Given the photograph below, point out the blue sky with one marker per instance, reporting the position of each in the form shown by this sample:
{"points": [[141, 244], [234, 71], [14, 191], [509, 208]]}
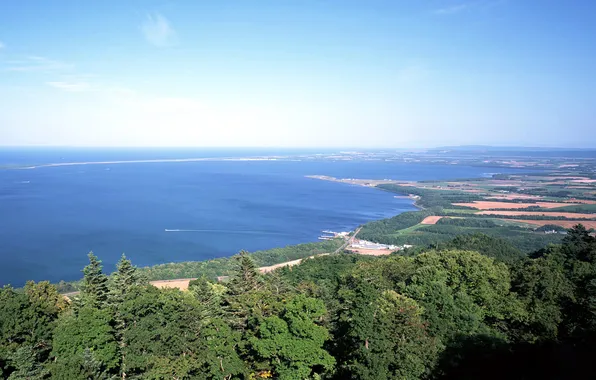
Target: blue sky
{"points": [[298, 73]]}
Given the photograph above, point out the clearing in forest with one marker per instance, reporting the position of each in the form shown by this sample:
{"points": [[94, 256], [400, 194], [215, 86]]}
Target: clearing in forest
{"points": [[431, 219]]}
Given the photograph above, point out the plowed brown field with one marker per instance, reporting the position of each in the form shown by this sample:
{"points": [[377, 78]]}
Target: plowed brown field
{"points": [[487, 205], [431, 219], [562, 223], [570, 215]]}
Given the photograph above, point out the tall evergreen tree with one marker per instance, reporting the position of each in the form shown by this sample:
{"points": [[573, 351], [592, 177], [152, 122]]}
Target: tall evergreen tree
{"points": [[125, 277], [123, 280], [27, 365], [247, 277], [94, 291], [246, 294]]}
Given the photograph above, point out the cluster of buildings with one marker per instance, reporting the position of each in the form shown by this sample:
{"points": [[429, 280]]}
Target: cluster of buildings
{"points": [[365, 244]]}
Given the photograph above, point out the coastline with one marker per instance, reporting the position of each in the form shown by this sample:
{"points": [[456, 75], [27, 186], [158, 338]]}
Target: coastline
{"points": [[468, 186]]}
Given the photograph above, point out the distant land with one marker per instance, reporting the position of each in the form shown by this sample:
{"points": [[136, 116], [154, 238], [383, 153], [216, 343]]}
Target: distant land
{"points": [[118, 200]]}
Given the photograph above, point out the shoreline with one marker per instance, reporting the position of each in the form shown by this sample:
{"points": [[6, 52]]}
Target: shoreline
{"points": [[165, 160]]}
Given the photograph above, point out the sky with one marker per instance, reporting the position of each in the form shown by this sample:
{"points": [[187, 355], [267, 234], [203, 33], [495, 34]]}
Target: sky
{"points": [[298, 73]]}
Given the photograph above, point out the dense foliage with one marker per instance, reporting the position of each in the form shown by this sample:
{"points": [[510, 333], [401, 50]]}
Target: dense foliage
{"points": [[224, 265], [474, 307], [405, 229]]}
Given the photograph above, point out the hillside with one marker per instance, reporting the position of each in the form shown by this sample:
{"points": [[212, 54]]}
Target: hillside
{"points": [[476, 307]]}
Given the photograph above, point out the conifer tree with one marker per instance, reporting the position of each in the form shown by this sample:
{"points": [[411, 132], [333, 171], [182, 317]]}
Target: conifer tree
{"points": [[94, 291], [26, 365], [247, 277], [244, 296], [125, 277], [123, 280]]}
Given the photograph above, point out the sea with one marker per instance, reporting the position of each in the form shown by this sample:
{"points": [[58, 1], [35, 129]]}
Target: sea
{"points": [[157, 212]]}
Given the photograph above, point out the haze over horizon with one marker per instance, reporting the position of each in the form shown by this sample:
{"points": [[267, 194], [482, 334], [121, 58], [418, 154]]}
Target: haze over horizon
{"points": [[367, 74]]}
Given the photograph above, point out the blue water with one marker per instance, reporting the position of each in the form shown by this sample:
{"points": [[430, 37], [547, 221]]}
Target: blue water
{"points": [[50, 217]]}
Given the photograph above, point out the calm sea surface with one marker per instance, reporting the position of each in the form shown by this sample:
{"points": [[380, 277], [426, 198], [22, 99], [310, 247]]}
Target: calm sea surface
{"points": [[50, 217]]}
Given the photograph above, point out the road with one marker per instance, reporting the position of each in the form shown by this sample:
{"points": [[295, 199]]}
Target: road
{"points": [[182, 283]]}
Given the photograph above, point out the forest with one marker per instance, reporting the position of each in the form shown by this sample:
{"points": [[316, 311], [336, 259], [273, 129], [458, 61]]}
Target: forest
{"points": [[396, 230], [470, 308]]}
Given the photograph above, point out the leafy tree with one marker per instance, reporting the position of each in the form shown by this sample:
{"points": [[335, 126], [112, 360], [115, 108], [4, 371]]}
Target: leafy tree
{"points": [[221, 359], [497, 248], [90, 329], [381, 334], [162, 333], [27, 319], [579, 244], [463, 292], [291, 344], [544, 288]]}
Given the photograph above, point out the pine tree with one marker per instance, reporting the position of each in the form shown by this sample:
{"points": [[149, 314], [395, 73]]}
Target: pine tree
{"points": [[210, 300], [94, 291], [243, 296], [26, 365], [125, 277], [247, 277], [91, 367], [123, 280]]}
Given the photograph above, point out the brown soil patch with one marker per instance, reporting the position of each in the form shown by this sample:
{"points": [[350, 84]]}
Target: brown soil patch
{"points": [[570, 215], [487, 205], [371, 252], [276, 266], [180, 283], [563, 223], [287, 264], [431, 219]]}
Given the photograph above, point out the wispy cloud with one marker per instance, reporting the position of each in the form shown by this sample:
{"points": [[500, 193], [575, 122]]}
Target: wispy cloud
{"points": [[158, 31], [36, 63], [71, 86], [87, 86], [1, 45], [479, 5], [457, 8]]}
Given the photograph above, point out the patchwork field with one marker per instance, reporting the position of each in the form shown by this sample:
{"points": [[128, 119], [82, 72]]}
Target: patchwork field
{"points": [[570, 215], [489, 205], [431, 220], [563, 223]]}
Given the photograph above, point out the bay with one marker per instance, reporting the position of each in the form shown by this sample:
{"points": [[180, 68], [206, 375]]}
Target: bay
{"points": [[158, 212]]}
